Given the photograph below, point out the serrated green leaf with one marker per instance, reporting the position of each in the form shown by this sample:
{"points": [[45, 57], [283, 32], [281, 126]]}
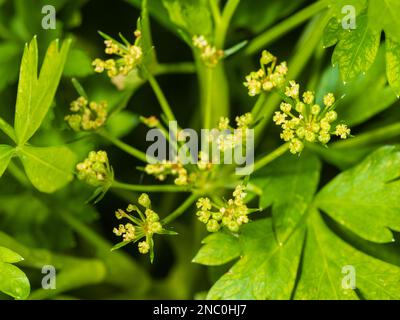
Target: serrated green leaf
{"points": [[288, 184], [356, 50], [364, 97], [365, 199], [35, 95], [218, 248], [337, 6], [265, 270], [385, 14], [323, 273], [48, 168], [9, 256], [393, 64], [331, 33], [6, 153]]}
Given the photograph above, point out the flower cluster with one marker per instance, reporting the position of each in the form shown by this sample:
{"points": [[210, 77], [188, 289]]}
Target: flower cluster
{"points": [[232, 215], [151, 122], [145, 225], [209, 54], [164, 168], [312, 124], [268, 77], [129, 57], [87, 116], [228, 137], [95, 169]]}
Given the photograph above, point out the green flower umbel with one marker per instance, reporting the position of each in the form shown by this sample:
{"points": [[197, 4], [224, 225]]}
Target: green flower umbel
{"points": [[95, 169], [305, 121], [269, 77], [87, 116], [231, 215], [141, 227]]}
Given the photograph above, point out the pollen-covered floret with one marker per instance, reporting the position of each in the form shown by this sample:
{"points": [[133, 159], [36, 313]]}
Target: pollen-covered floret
{"points": [[228, 138], [231, 215], [142, 226], [209, 54], [87, 116], [312, 123], [164, 168], [128, 57], [95, 169], [268, 77], [151, 122]]}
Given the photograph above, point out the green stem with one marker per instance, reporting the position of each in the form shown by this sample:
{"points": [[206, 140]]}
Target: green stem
{"points": [[208, 99], [215, 10], [7, 129], [123, 146], [271, 157], [284, 27], [180, 67], [161, 98], [371, 137], [148, 188], [181, 209], [223, 23], [258, 106]]}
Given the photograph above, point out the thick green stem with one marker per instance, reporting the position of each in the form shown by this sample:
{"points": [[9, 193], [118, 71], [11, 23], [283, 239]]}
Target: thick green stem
{"points": [[223, 24], [171, 68], [181, 209], [255, 112], [271, 157], [208, 100], [161, 98], [148, 188], [371, 137], [123, 146], [284, 27], [215, 10]]}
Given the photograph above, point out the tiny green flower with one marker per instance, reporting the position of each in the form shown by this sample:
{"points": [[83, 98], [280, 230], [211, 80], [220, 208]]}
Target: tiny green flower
{"points": [[144, 200], [209, 54], [312, 124], [87, 116], [231, 216], [128, 57], [268, 77], [145, 225], [95, 169]]}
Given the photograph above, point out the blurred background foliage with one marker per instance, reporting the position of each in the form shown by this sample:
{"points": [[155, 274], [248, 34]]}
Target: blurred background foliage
{"points": [[50, 229]]}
